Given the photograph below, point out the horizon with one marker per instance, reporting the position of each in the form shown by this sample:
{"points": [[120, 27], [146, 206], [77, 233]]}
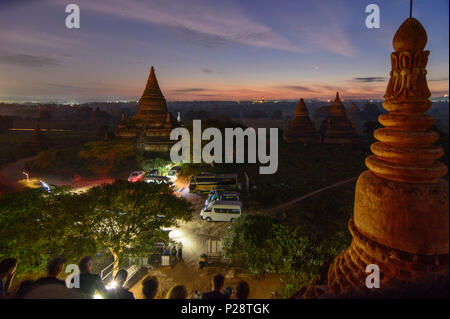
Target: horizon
{"points": [[279, 52]]}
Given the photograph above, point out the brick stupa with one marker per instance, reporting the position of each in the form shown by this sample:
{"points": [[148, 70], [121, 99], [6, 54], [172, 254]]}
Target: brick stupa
{"points": [[300, 128], [152, 124], [400, 221], [337, 128], [354, 113]]}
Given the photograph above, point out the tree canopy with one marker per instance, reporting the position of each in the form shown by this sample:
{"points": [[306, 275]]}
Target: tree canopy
{"points": [[122, 218]]}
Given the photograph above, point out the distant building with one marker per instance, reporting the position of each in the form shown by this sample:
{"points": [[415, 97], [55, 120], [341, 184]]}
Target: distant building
{"points": [[300, 128], [337, 128], [150, 127]]}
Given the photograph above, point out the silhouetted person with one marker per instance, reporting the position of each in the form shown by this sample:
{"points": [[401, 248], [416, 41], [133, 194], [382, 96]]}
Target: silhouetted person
{"points": [[118, 292], [180, 253], [150, 287], [177, 292], [7, 272], [54, 269], [242, 290], [217, 292], [24, 287], [173, 251], [90, 283]]}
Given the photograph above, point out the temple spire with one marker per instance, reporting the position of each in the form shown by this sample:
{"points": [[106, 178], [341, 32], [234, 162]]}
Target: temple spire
{"points": [[301, 108], [152, 86]]}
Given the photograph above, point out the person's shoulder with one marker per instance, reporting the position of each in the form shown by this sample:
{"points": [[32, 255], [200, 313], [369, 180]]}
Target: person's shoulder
{"points": [[49, 280]]}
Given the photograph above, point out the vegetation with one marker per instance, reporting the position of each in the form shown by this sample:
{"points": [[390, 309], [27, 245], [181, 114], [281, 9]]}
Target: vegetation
{"points": [[121, 218], [98, 158], [293, 243]]}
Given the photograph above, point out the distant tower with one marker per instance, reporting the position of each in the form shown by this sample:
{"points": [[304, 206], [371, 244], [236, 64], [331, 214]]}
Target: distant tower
{"points": [[337, 128], [152, 124], [401, 220], [300, 128]]}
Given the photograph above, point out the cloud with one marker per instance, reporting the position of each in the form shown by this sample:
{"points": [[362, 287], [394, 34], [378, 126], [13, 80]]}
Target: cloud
{"points": [[297, 88], [437, 79], [27, 60], [370, 79], [188, 90], [220, 23], [210, 71]]}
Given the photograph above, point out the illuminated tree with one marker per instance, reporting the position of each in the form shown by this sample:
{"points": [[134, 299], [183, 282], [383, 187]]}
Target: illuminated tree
{"points": [[128, 218]]}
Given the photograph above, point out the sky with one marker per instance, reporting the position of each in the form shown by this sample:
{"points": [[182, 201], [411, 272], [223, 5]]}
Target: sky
{"points": [[209, 49]]}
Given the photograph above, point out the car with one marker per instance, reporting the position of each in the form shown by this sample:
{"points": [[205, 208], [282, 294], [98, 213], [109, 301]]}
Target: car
{"points": [[174, 172], [153, 172], [136, 176], [222, 195], [158, 180], [222, 211]]}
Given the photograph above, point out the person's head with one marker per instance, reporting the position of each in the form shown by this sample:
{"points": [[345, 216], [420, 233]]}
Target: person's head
{"points": [[177, 292], [55, 267], [8, 266], [121, 277], [242, 290], [150, 287], [218, 282], [86, 264]]}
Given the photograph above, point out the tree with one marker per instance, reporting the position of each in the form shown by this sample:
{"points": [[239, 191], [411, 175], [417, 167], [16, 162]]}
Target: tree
{"points": [[127, 219], [122, 218], [106, 156], [265, 245], [35, 229]]}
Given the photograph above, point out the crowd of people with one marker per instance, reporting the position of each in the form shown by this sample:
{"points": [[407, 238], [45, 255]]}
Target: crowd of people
{"points": [[91, 285]]}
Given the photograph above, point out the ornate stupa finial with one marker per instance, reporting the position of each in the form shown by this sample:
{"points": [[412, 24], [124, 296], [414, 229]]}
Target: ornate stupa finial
{"points": [[406, 152], [401, 220]]}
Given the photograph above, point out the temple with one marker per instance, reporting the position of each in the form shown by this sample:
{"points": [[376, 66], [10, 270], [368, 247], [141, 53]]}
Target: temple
{"points": [[400, 221], [337, 128], [354, 113], [300, 128], [152, 124]]}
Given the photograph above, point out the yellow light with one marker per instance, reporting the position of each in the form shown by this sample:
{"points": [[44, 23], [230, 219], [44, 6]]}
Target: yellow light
{"points": [[98, 296]]}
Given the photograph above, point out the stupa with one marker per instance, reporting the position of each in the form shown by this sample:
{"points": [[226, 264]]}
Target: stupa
{"points": [[400, 221], [337, 128], [152, 124], [300, 128], [354, 113]]}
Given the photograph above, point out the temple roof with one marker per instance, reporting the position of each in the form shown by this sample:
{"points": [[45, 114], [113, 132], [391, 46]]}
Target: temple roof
{"points": [[337, 108], [354, 108], [301, 108]]}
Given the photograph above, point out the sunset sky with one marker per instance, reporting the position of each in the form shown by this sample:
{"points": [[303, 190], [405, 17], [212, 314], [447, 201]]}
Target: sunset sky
{"points": [[209, 50]]}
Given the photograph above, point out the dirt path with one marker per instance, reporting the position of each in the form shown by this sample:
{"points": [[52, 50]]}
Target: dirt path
{"points": [[299, 199]]}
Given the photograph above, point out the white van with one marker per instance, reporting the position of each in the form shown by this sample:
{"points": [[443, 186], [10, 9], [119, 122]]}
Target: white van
{"points": [[221, 211]]}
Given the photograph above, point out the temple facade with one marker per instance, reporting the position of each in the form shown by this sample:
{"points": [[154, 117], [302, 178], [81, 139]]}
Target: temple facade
{"points": [[337, 128], [300, 128], [401, 213], [150, 127]]}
